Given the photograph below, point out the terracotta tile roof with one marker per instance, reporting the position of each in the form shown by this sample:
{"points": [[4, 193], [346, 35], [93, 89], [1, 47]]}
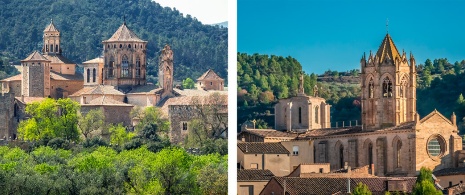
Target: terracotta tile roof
{"points": [[188, 100], [145, 89], [254, 175], [102, 100], [18, 77], [387, 49], [65, 77], [450, 171], [261, 147], [196, 92], [51, 27], [270, 133], [352, 130], [28, 100], [124, 34], [35, 56], [210, 74], [297, 185], [99, 89], [94, 61], [58, 59]]}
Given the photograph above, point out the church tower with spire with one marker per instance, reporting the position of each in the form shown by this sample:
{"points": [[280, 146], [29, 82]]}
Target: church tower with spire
{"points": [[388, 81], [51, 40]]}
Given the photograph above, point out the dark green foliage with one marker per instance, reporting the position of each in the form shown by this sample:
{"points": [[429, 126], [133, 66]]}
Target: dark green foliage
{"points": [[361, 189], [425, 184], [85, 24], [58, 142], [211, 146], [94, 142]]}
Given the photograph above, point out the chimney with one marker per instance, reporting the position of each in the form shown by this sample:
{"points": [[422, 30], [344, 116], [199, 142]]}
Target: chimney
{"points": [[453, 119]]}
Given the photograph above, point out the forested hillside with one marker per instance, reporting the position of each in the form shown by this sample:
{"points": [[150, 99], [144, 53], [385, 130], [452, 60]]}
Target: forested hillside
{"points": [[263, 80], [84, 24]]}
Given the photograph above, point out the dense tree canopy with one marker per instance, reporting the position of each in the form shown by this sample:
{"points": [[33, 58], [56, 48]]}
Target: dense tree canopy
{"points": [[85, 24]]}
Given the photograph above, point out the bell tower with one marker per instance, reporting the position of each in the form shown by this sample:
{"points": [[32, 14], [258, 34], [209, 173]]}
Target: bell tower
{"points": [[388, 87], [165, 69], [51, 40]]}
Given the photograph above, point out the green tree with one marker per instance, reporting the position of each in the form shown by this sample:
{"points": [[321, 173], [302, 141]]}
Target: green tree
{"points": [[92, 121], [361, 189], [457, 68], [188, 83], [50, 119], [119, 135], [460, 100], [424, 184]]}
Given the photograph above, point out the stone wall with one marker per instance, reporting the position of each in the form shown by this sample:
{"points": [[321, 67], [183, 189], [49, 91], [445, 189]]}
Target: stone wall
{"points": [[113, 114], [178, 114], [7, 123], [71, 86], [36, 78]]}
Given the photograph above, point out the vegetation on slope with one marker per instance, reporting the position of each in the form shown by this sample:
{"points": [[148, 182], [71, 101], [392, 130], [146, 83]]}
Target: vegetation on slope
{"points": [[85, 24]]}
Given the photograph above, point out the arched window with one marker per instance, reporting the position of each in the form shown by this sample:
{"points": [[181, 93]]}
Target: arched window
{"points": [[137, 67], [129, 45], [46, 48], [399, 146], [387, 87], [341, 156], [51, 48], [120, 45], [316, 114], [370, 154], [300, 114], [88, 75], [56, 48], [94, 75], [370, 88], [111, 66], [124, 66]]}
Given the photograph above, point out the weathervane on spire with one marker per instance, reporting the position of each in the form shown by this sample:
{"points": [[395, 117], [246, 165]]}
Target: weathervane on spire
{"points": [[387, 25]]}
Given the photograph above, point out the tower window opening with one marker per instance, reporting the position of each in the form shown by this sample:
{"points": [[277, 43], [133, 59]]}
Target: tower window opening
{"points": [[316, 114], [51, 48], [56, 48], [88, 75], [370, 89], [94, 75], [125, 67], [137, 67], [300, 114], [387, 88]]}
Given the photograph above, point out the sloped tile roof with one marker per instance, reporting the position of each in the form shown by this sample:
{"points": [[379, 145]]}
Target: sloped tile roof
{"points": [[66, 77], [99, 89], [35, 56], [51, 27], [297, 185], [261, 147], [387, 49], [58, 59], [145, 89], [254, 175], [450, 171], [124, 34], [18, 77], [94, 61], [188, 100], [28, 100], [102, 100], [210, 74], [196, 92], [270, 133]]}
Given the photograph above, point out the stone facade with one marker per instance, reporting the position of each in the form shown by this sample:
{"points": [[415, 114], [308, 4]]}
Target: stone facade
{"points": [[36, 76], [7, 113], [210, 81], [124, 59], [165, 71], [388, 87]]}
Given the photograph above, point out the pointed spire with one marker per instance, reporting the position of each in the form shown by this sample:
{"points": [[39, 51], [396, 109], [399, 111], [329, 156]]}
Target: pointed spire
{"points": [[387, 49], [51, 27]]}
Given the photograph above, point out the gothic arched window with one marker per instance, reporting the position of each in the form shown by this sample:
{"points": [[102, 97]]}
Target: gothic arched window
{"points": [[316, 114], [124, 66], [371, 88], [111, 66], [399, 146], [387, 87], [88, 75], [300, 114], [137, 67], [341, 156], [46, 48], [51, 48], [94, 75], [56, 48]]}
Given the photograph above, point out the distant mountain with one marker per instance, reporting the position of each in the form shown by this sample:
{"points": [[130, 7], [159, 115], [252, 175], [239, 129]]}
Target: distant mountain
{"points": [[84, 24], [222, 24]]}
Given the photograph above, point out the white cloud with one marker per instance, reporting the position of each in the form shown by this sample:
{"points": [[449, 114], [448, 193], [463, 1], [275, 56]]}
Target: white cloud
{"points": [[206, 11]]}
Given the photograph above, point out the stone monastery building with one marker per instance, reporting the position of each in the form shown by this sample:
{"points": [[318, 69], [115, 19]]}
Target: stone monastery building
{"points": [[114, 83], [392, 141]]}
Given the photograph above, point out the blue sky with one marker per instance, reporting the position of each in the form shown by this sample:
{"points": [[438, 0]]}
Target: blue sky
{"points": [[324, 35]]}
